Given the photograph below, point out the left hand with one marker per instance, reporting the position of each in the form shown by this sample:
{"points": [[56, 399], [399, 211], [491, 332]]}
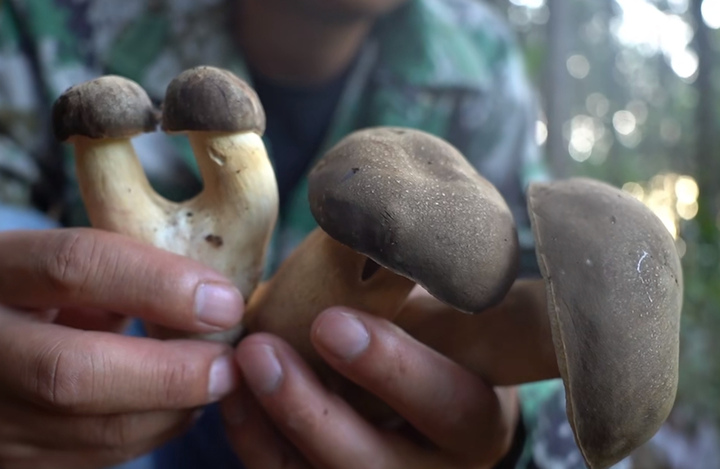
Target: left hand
{"points": [[284, 417]]}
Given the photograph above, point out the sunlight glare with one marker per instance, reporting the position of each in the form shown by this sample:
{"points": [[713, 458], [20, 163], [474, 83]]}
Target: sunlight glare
{"points": [[534, 4], [578, 66], [541, 133], [624, 122], [711, 13], [650, 30]]}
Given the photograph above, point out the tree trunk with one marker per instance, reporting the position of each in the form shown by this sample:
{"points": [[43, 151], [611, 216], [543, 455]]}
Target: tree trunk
{"points": [[706, 157], [557, 83]]}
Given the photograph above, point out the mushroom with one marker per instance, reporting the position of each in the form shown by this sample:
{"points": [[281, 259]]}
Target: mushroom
{"points": [[395, 207], [615, 292], [607, 323], [228, 225]]}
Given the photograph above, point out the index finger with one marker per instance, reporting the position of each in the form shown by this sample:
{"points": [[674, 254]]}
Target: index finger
{"points": [[84, 268], [83, 372], [452, 407]]}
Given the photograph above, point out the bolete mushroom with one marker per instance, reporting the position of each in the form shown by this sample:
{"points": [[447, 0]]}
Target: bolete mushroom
{"points": [[395, 207], [607, 321], [228, 225]]}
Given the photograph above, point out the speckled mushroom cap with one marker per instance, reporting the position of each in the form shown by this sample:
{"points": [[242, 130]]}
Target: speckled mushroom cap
{"points": [[106, 107], [413, 204], [211, 99], [615, 290]]}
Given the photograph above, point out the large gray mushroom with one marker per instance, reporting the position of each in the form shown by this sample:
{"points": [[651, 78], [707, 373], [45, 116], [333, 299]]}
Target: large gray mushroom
{"points": [[228, 225], [605, 318], [615, 293], [396, 207]]}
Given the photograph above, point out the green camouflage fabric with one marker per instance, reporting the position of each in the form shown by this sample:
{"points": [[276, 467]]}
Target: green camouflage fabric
{"points": [[449, 67]]}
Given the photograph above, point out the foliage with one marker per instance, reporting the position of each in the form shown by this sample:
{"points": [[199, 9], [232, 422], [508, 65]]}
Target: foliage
{"points": [[638, 105]]}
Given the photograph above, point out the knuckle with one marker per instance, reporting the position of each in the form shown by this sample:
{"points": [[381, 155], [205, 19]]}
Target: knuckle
{"points": [[58, 378], [302, 420], [66, 268], [117, 432], [498, 438], [175, 381]]}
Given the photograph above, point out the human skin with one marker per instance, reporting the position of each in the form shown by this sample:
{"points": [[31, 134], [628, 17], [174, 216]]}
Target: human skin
{"points": [[73, 392], [282, 417], [304, 42], [76, 394], [91, 398], [296, 423]]}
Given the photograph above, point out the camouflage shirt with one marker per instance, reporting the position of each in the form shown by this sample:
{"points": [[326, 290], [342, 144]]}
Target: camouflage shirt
{"points": [[449, 67]]}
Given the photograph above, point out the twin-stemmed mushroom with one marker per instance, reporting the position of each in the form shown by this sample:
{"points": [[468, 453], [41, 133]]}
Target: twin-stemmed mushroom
{"points": [[229, 224]]}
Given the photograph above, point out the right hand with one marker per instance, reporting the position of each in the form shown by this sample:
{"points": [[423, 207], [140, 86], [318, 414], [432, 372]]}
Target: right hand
{"points": [[73, 392]]}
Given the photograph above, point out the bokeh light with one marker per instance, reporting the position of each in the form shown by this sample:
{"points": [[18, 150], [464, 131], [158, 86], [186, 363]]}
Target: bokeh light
{"points": [[671, 197], [711, 13]]}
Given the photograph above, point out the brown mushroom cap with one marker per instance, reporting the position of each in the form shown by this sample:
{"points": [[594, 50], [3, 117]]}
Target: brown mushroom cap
{"points": [[106, 107], [211, 99], [413, 204], [615, 288]]}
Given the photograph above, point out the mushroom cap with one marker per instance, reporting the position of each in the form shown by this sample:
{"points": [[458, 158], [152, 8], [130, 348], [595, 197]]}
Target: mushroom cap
{"points": [[106, 107], [211, 99], [413, 204], [615, 289]]}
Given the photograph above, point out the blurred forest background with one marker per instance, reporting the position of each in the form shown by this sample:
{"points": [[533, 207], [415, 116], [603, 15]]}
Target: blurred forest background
{"points": [[630, 95]]}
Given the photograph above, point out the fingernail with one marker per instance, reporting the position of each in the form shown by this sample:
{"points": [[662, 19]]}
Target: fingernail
{"points": [[223, 378], [218, 305], [261, 369], [342, 334]]}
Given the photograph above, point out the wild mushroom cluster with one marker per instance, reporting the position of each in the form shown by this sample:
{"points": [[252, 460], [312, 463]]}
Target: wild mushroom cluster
{"points": [[398, 208]]}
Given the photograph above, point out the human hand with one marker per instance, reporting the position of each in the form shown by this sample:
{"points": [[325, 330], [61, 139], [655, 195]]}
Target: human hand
{"points": [[78, 399], [284, 417]]}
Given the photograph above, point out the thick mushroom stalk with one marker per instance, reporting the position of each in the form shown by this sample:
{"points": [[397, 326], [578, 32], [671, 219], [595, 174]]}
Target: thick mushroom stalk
{"points": [[322, 273], [396, 207], [605, 318], [228, 225]]}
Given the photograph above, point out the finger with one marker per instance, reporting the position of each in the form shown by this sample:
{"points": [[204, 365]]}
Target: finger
{"points": [[31, 457], [83, 268], [37, 427], [256, 442], [97, 372], [92, 320], [454, 408], [325, 429], [508, 344]]}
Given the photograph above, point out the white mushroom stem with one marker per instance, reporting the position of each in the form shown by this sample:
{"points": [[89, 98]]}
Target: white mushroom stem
{"points": [[116, 192], [227, 226]]}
